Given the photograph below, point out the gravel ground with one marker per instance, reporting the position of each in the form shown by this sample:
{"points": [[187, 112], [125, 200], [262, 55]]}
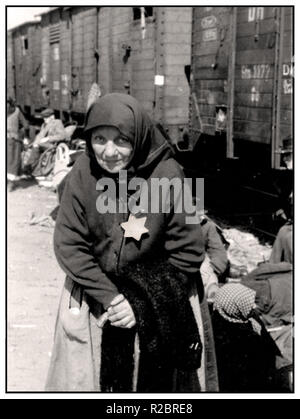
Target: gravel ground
{"points": [[34, 282]]}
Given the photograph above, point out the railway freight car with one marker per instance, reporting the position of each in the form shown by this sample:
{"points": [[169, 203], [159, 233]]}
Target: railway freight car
{"points": [[241, 79], [242, 82], [23, 66], [138, 50]]}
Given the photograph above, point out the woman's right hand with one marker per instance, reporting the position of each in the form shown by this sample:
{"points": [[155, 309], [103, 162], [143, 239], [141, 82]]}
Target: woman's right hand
{"points": [[120, 313]]}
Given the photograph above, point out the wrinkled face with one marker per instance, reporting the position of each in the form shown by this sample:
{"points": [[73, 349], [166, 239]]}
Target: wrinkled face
{"points": [[112, 150]]}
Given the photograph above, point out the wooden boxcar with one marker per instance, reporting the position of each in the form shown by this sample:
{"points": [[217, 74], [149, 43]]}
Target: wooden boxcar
{"points": [[242, 80], [141, 51], [241, 85]]}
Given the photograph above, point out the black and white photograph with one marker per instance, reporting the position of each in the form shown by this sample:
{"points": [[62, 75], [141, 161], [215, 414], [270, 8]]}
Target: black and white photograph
{"points": [[150, 202]]}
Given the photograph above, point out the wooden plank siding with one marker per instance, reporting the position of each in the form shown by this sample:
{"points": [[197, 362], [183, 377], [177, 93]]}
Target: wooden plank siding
{"points": [[22, 47], [254, 75], [54, 62], [35, 51], [120, 38], [19, 69], [287, 89], [113, 35], [65, 61], [176, 55], [211, 45], [248, 28], [10, 66], [83, 55], [254, 84], [174, 37]]}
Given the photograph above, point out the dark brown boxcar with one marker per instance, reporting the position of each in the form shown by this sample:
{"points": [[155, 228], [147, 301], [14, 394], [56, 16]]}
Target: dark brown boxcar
{"points": [[243, 78]]}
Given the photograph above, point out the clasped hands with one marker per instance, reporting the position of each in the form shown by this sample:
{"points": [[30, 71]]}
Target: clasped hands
{"points": [[120, 313]]}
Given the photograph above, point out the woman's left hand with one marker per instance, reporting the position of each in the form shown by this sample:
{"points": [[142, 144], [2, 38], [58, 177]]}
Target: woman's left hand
{"points": [[120, 313]]}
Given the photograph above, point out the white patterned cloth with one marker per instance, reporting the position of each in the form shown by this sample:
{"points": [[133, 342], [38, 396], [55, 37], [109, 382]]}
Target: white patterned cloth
{"points": [[235, 302]]}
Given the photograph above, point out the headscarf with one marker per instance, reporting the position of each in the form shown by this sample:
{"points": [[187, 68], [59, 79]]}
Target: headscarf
{"points": [[125, 113], [235, 303]]}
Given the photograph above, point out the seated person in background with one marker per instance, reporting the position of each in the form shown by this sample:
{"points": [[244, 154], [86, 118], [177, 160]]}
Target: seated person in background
{"points": [[216, 261], [245, 351], [282, 250], [283, 246], [52, 131]]}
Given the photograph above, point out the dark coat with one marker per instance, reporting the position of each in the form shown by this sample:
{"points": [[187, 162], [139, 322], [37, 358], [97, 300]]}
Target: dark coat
{"points": [[155, 273], [246, 360], [90, 246], [92, 250]]}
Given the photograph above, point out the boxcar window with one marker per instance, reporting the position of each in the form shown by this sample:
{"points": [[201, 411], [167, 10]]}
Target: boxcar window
{"points": [[24, 45], [137, 12]]}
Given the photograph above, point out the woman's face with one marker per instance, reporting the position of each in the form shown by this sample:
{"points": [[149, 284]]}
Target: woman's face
{"points": [[111, 148]]}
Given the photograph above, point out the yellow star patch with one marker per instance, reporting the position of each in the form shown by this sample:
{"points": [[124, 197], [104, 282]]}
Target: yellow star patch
{"points": [[135, 227]]}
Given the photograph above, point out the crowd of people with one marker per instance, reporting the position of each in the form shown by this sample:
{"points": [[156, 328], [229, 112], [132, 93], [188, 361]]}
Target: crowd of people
{"points": [[149, 304]]}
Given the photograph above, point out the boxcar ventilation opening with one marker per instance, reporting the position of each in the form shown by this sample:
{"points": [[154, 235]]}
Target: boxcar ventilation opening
{"points": [[24, 45], [137, 12]]}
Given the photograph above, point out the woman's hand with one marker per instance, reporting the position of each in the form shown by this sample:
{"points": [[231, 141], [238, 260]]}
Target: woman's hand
{"points": [[120, 313]]}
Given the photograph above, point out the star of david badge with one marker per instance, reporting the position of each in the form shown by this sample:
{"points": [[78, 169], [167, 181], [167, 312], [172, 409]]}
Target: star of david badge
{"points": [[135, 227]]}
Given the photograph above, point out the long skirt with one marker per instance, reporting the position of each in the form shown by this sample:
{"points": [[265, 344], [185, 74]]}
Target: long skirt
{"points": [[76, 357], [14, 149]]}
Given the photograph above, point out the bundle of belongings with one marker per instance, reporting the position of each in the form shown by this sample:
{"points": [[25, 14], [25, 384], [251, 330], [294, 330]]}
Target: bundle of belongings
{"points": [[246, 353], [273, 283], [252, 313]]}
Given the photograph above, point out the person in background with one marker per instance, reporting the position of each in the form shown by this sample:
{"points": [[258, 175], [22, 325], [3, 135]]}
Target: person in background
{"points": [[52, 131], [15, 120], [283, 247], [246, 353], [282, 250], [273, 284], [287, 152], [43, 148], [284, 182], [216, 261]]}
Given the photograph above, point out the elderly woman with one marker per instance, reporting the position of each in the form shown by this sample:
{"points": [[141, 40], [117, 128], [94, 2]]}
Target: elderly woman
{"points": [[134, 274]]}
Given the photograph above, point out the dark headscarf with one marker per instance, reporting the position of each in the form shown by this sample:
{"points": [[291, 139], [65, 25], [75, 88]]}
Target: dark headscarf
{"points": [[125, 113]]}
